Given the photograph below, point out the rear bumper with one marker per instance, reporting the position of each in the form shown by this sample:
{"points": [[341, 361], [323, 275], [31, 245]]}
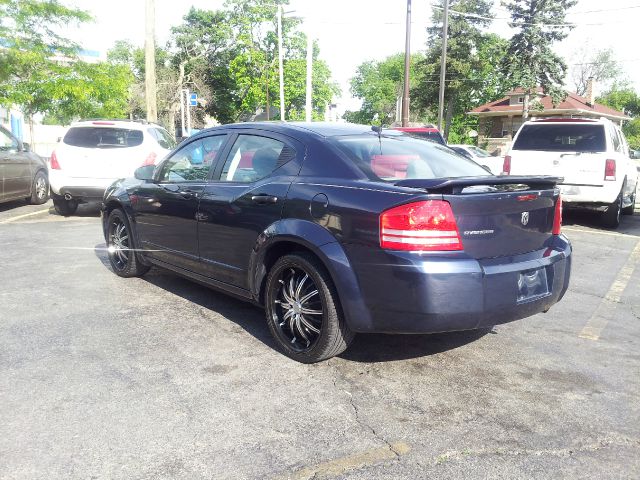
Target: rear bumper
{"points": [[83, 187], [590, 195], [409, 293], [82, 193]]}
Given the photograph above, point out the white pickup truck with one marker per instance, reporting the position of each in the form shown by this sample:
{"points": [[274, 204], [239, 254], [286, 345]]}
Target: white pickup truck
{"points": [[591, 155]]}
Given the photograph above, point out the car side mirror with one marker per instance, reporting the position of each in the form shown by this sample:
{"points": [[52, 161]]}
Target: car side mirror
{"points": [[145, 172], [26, 147]]}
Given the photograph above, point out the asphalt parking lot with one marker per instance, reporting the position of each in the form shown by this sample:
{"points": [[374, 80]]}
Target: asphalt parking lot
{"points": [[110, 378]]}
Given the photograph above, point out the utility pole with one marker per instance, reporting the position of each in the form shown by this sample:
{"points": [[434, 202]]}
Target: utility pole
{"points": [[443, 63], [280, 68], [150, 62], [182, 114], [407, 64], [308, 106]]}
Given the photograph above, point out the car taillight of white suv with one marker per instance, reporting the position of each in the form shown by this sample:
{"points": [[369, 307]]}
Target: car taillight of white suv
{"points": [[95, 153], [591, 155]]}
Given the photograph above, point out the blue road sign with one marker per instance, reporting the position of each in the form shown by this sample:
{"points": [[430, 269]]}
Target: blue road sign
{"points": [[193, 100]]}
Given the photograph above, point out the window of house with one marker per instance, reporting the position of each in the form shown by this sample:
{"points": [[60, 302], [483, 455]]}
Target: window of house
{"points": [[520, 99]]}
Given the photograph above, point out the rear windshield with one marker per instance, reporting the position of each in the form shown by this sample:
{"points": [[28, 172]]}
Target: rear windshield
{"points": [[561, 138], [103, 137], [399, 157], [431, 136]]}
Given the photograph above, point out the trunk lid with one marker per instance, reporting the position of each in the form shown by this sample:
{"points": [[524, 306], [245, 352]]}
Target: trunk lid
{"points": [[498, 216]]}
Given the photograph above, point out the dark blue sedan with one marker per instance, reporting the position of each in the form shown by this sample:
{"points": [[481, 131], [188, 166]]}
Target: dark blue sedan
{"points": [[337, 229]]}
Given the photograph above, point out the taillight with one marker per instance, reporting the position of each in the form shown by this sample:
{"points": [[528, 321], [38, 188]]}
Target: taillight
{"points": [[428, 225], [557, 217], [506, 165], [610, 170], [151, 159], [53, 162]]}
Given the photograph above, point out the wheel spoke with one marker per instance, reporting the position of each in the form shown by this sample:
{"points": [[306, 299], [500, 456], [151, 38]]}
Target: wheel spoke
{"points": [[301, 330], [308, 296], [307, 324], [286, 296], [308, 311], [300, 285]]}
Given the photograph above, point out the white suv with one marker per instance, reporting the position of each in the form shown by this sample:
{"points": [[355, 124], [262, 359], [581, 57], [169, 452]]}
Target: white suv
{"points": [[591, 155], [95, 153]]}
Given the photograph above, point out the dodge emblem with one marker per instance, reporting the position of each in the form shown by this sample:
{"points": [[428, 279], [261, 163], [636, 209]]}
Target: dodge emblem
{"points": [[525, 218]]}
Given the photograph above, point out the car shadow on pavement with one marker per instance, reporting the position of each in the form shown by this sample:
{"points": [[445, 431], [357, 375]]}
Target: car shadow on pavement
{"points": [[12, 204], [90, 209], [629, 224], [373, 347], [367, 348]]}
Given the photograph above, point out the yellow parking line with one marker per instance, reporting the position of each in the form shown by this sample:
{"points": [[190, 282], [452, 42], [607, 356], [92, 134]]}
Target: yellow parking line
{"points": [[339, 466], [599, 232], [597, 322], [13, 219]]}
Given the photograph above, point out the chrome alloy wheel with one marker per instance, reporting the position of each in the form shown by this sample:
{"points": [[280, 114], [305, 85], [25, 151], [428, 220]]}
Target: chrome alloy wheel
{"points": [[298, 309], [118, 247], [41, 188]]}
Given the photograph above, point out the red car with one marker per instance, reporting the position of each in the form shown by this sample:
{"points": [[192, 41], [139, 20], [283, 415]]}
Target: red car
{"points": [[428, 132]]}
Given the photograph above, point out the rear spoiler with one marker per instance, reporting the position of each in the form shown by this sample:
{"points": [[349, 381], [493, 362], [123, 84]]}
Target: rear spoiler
{"points": [[442, 185]]}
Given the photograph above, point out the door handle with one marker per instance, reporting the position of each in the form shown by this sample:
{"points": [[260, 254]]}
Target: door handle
{"points": [[264, 199], [187, 193]]}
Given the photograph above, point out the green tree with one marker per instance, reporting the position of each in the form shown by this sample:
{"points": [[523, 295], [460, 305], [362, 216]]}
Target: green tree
{"points": [[599, 65], [530, 61], [231, 54], [30, 45], [624, 98], [472, 57], [379, 84]]}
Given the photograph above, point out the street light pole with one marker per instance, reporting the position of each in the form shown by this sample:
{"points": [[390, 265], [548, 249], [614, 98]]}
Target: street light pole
{"points": [[407, 63], [280, 68], [443, 63]]}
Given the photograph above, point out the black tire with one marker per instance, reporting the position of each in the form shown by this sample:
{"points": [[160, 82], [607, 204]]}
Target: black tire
{"points": [[122, 258], [39, 189], [611, 217], [631, 208], [65, 207], [333, 335]]}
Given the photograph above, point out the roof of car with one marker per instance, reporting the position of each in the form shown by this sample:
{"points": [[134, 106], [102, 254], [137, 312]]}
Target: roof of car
{"points": [[323, 129], [131, 124]]}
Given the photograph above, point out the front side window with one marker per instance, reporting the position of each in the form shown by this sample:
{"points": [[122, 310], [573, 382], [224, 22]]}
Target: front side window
{"points": [[103, 137], [253, 157], [561, 138], [7, 142], [402, 157], [193, 162]]}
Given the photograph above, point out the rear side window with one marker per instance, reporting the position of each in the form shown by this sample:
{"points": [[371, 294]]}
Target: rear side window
{"points": [[397, 158], [561, 138], [253, 157], [103, 137], [163, 138]]}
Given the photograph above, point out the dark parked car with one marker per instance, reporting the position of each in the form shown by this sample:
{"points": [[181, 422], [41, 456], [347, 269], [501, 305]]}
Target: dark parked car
{"points": [[337, 229], [23, 174]]}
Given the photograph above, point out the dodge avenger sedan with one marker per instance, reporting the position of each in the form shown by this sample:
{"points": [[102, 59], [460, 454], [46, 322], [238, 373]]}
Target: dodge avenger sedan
{"points": [[337, 229]]}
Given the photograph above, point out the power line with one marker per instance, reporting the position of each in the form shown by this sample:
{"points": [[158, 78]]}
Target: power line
{"points": [[538, 24]]}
